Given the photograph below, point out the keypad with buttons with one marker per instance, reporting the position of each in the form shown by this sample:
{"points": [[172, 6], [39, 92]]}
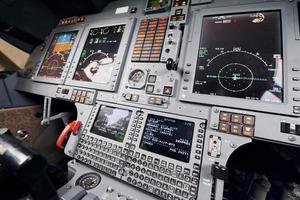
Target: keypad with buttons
{"points": [[237, 124]]}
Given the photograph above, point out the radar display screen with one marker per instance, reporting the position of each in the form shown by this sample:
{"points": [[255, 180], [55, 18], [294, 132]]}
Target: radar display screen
{"points": [[98, 54], [57, 55], [240, 56], [112, 123], [168, 137]]}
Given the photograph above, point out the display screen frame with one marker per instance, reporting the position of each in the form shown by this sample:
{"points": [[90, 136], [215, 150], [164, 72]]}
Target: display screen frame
{"points": [[243, 52], [186, 160], [109, 136], [196, 121], [93, 117], [61, 29], [186, 89], [118, 63]]}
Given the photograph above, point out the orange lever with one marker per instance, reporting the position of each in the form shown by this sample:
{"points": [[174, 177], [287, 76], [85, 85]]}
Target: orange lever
{"points": [[70, 128]]}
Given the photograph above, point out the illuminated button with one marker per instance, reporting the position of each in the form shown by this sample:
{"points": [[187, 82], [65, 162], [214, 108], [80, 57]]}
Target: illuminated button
{"points": [[167, 90], [149, 88], [236, 118], [135, 98], [128, 96], [248, 131], [248, 120], [152, 79], [77, 99], [223, 127], [84, 93], [224, 116], [236, 129], [158, 101], [79, 92], [73, 98], [82, 99]]}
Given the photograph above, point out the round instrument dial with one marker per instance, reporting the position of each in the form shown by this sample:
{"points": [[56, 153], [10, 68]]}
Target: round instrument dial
{"points": [[137, 78], [89, 181]]}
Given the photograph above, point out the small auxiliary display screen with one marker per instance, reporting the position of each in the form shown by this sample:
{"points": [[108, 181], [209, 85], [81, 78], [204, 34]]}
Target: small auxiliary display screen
{"points": [[57, 55], [112, 123], [154, 5], [98, 54], [240, 55], [168, 137]]}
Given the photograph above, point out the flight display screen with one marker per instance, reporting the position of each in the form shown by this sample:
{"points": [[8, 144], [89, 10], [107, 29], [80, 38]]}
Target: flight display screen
{"points": [[57, 55], [240, 55], [98, 54], [112, 123], [169, 137]]}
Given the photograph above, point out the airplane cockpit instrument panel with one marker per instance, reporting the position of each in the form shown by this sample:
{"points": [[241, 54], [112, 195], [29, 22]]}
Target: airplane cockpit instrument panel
{"points": [[167, 90]]}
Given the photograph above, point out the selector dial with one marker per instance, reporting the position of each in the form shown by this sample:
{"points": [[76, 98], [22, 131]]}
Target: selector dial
{"points": [[89, 181]]}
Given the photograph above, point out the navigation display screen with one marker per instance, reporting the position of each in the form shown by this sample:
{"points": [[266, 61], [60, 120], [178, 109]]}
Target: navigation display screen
{"points": [[112, 123], [240, 56], [57, 55], [168, 137], [98, 54]]}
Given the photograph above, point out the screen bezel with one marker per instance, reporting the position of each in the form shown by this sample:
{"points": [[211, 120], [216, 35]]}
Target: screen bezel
{"points": [[140, 132], [119, 61], [62, 29], [161, 116], [93, 116], [186, 90]]}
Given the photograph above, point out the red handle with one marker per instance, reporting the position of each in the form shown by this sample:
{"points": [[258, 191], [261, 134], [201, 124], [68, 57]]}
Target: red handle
{"points": [[70, 128]]}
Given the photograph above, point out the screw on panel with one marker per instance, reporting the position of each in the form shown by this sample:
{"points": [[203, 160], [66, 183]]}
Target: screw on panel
{"points": [[215, 125], [216, 110]]}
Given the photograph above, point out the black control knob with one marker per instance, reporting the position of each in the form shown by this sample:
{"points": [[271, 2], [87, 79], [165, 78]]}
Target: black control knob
{"points": [[171, 65], [219, 172], [171, 26]]}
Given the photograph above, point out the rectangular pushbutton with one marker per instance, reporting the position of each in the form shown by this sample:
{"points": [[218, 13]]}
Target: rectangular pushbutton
{"points": [[225, 116], [236, 118], [248, 131], [236, 129], [223, 127], [248, 120]]}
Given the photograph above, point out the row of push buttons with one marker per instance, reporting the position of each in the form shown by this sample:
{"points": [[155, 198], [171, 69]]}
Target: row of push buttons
{"points": [[237, 124]]}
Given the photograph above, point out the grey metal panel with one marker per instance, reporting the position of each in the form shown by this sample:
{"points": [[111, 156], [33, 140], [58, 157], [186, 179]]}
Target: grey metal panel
{"points": [[290, 59]]}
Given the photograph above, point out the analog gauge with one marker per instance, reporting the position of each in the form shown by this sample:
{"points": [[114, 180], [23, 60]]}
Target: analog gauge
{"points": [[137, 78], [89, 181]]}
